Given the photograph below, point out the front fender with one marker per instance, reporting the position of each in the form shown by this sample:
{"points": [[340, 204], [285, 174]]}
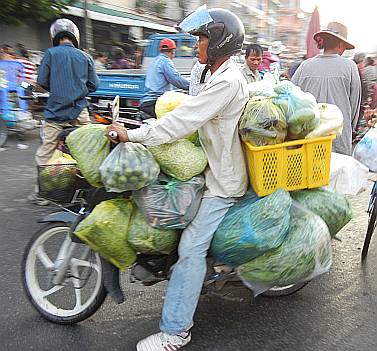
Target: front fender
{"points": [[62, 216]]}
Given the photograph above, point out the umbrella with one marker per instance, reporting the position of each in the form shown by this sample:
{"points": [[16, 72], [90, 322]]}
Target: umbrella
{"points": [[313, 28]]}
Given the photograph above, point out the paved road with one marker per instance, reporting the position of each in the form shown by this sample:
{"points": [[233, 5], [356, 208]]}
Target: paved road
{"points": [[336, 312]]}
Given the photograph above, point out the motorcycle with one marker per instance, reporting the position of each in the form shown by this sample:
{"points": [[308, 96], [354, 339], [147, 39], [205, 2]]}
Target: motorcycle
{"points": [[15, 119], [67, 282]]}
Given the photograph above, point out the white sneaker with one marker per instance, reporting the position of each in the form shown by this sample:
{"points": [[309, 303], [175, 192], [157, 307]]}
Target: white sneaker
{"points": [[164, 342]]}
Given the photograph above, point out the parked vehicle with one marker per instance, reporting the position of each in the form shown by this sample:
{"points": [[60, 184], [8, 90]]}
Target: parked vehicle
{"points": [[129, 84]]}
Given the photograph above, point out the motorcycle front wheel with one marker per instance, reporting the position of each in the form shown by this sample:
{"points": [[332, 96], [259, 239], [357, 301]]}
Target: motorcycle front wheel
{"points": [[80, 294]]}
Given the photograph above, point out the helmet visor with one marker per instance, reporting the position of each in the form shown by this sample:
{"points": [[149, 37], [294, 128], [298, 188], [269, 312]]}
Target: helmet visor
{"points": [[195, 20]]}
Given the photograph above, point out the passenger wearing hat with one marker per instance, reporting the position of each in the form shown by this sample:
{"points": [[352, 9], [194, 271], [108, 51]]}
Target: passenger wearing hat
{"points": [[161, 73], [333, 79]]}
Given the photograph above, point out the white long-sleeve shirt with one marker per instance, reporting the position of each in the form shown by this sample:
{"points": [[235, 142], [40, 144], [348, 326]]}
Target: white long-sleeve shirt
{"points": [[215, 113]]}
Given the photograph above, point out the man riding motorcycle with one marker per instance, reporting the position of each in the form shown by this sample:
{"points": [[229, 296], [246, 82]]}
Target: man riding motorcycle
{"points": [[215, 113], [68, 74]]}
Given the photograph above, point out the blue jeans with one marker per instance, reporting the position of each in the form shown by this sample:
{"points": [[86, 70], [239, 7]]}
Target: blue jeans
{"points": [[187, 279]]}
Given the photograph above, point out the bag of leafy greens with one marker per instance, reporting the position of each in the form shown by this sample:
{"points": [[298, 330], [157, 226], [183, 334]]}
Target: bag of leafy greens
{"points": [[148, 240], [300, 109], [89, 146], [304, 254], [251, 228], [262, 123], [167, 102], [168, 203], [334, 208], [181, 159], [130, 166], [105, 230]]}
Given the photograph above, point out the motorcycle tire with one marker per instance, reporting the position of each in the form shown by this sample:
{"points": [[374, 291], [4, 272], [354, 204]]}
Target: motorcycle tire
{"points": [[38, 256], [278, 291]]}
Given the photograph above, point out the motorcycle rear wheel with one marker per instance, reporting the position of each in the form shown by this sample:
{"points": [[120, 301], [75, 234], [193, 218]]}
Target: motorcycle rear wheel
{"points": [[82, 297], [277, 291]]}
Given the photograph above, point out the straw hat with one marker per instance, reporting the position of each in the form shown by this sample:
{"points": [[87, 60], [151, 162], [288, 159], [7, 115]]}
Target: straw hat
{"points": [[336, 30]]}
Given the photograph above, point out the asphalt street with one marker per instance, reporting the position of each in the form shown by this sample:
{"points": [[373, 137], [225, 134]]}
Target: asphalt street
{"points": [[336, 312]]}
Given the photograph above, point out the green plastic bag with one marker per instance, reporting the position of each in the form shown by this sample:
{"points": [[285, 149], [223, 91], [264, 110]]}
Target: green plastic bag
{"points": [[300, 109], [89, 146], [262, 123], [181, 159], [252, 227], [305, 254], [148, 240], [105, 230], [334, 208]]}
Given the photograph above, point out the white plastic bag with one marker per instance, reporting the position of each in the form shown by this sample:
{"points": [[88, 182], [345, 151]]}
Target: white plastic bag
{"points": [[347, 175], [331, 121], [130, 166], [261, 88], [366, 150]]}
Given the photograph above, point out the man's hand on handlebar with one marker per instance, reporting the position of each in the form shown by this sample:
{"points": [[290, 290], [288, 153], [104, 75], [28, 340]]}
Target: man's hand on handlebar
{"points": [[117, 133]]}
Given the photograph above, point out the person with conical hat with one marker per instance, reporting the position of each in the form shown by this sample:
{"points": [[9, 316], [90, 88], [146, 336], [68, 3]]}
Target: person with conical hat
{"points": [[333, 79]]}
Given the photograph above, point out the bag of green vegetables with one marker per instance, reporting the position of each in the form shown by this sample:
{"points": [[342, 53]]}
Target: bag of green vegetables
{"points": [[304, 254], [130, 166]]}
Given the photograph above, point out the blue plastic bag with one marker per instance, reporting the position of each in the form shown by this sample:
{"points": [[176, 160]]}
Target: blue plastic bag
{"points": [[252, 227]]}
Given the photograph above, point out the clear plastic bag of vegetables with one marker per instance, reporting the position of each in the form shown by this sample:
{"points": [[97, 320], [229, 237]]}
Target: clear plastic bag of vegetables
{"points": [[262, 123], [334, 208], [304, 254], [148, 240], [169, 203], [105, 230], [181, 159], [129, 166], [252, 227], [89, 146], [300, 109]]}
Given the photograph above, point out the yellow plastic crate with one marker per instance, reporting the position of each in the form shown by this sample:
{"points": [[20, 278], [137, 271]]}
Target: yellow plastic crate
{"points": [[293, 165]]}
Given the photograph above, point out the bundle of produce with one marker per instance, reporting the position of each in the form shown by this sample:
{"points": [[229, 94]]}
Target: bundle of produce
{"points": [[262, 123], [105, 230], [366, 150], [331, 121], [167, 102], [251, 228], [130, 166], [181, 159], [300, 109], [59, 173], [168, 203], [333, 208], [89, 146], [148, 240], [261, 88], [304, 254]]}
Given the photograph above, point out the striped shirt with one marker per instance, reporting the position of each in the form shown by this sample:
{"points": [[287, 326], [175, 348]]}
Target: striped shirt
{"points": [[69, 75]]}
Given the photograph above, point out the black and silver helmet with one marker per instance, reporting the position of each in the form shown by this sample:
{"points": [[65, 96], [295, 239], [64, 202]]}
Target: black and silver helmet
{"points": [[225, 33], [64, 27]]}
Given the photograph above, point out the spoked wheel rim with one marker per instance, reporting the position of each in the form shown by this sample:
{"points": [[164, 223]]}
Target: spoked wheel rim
{"points": [[74, 282], [281, 288]]}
